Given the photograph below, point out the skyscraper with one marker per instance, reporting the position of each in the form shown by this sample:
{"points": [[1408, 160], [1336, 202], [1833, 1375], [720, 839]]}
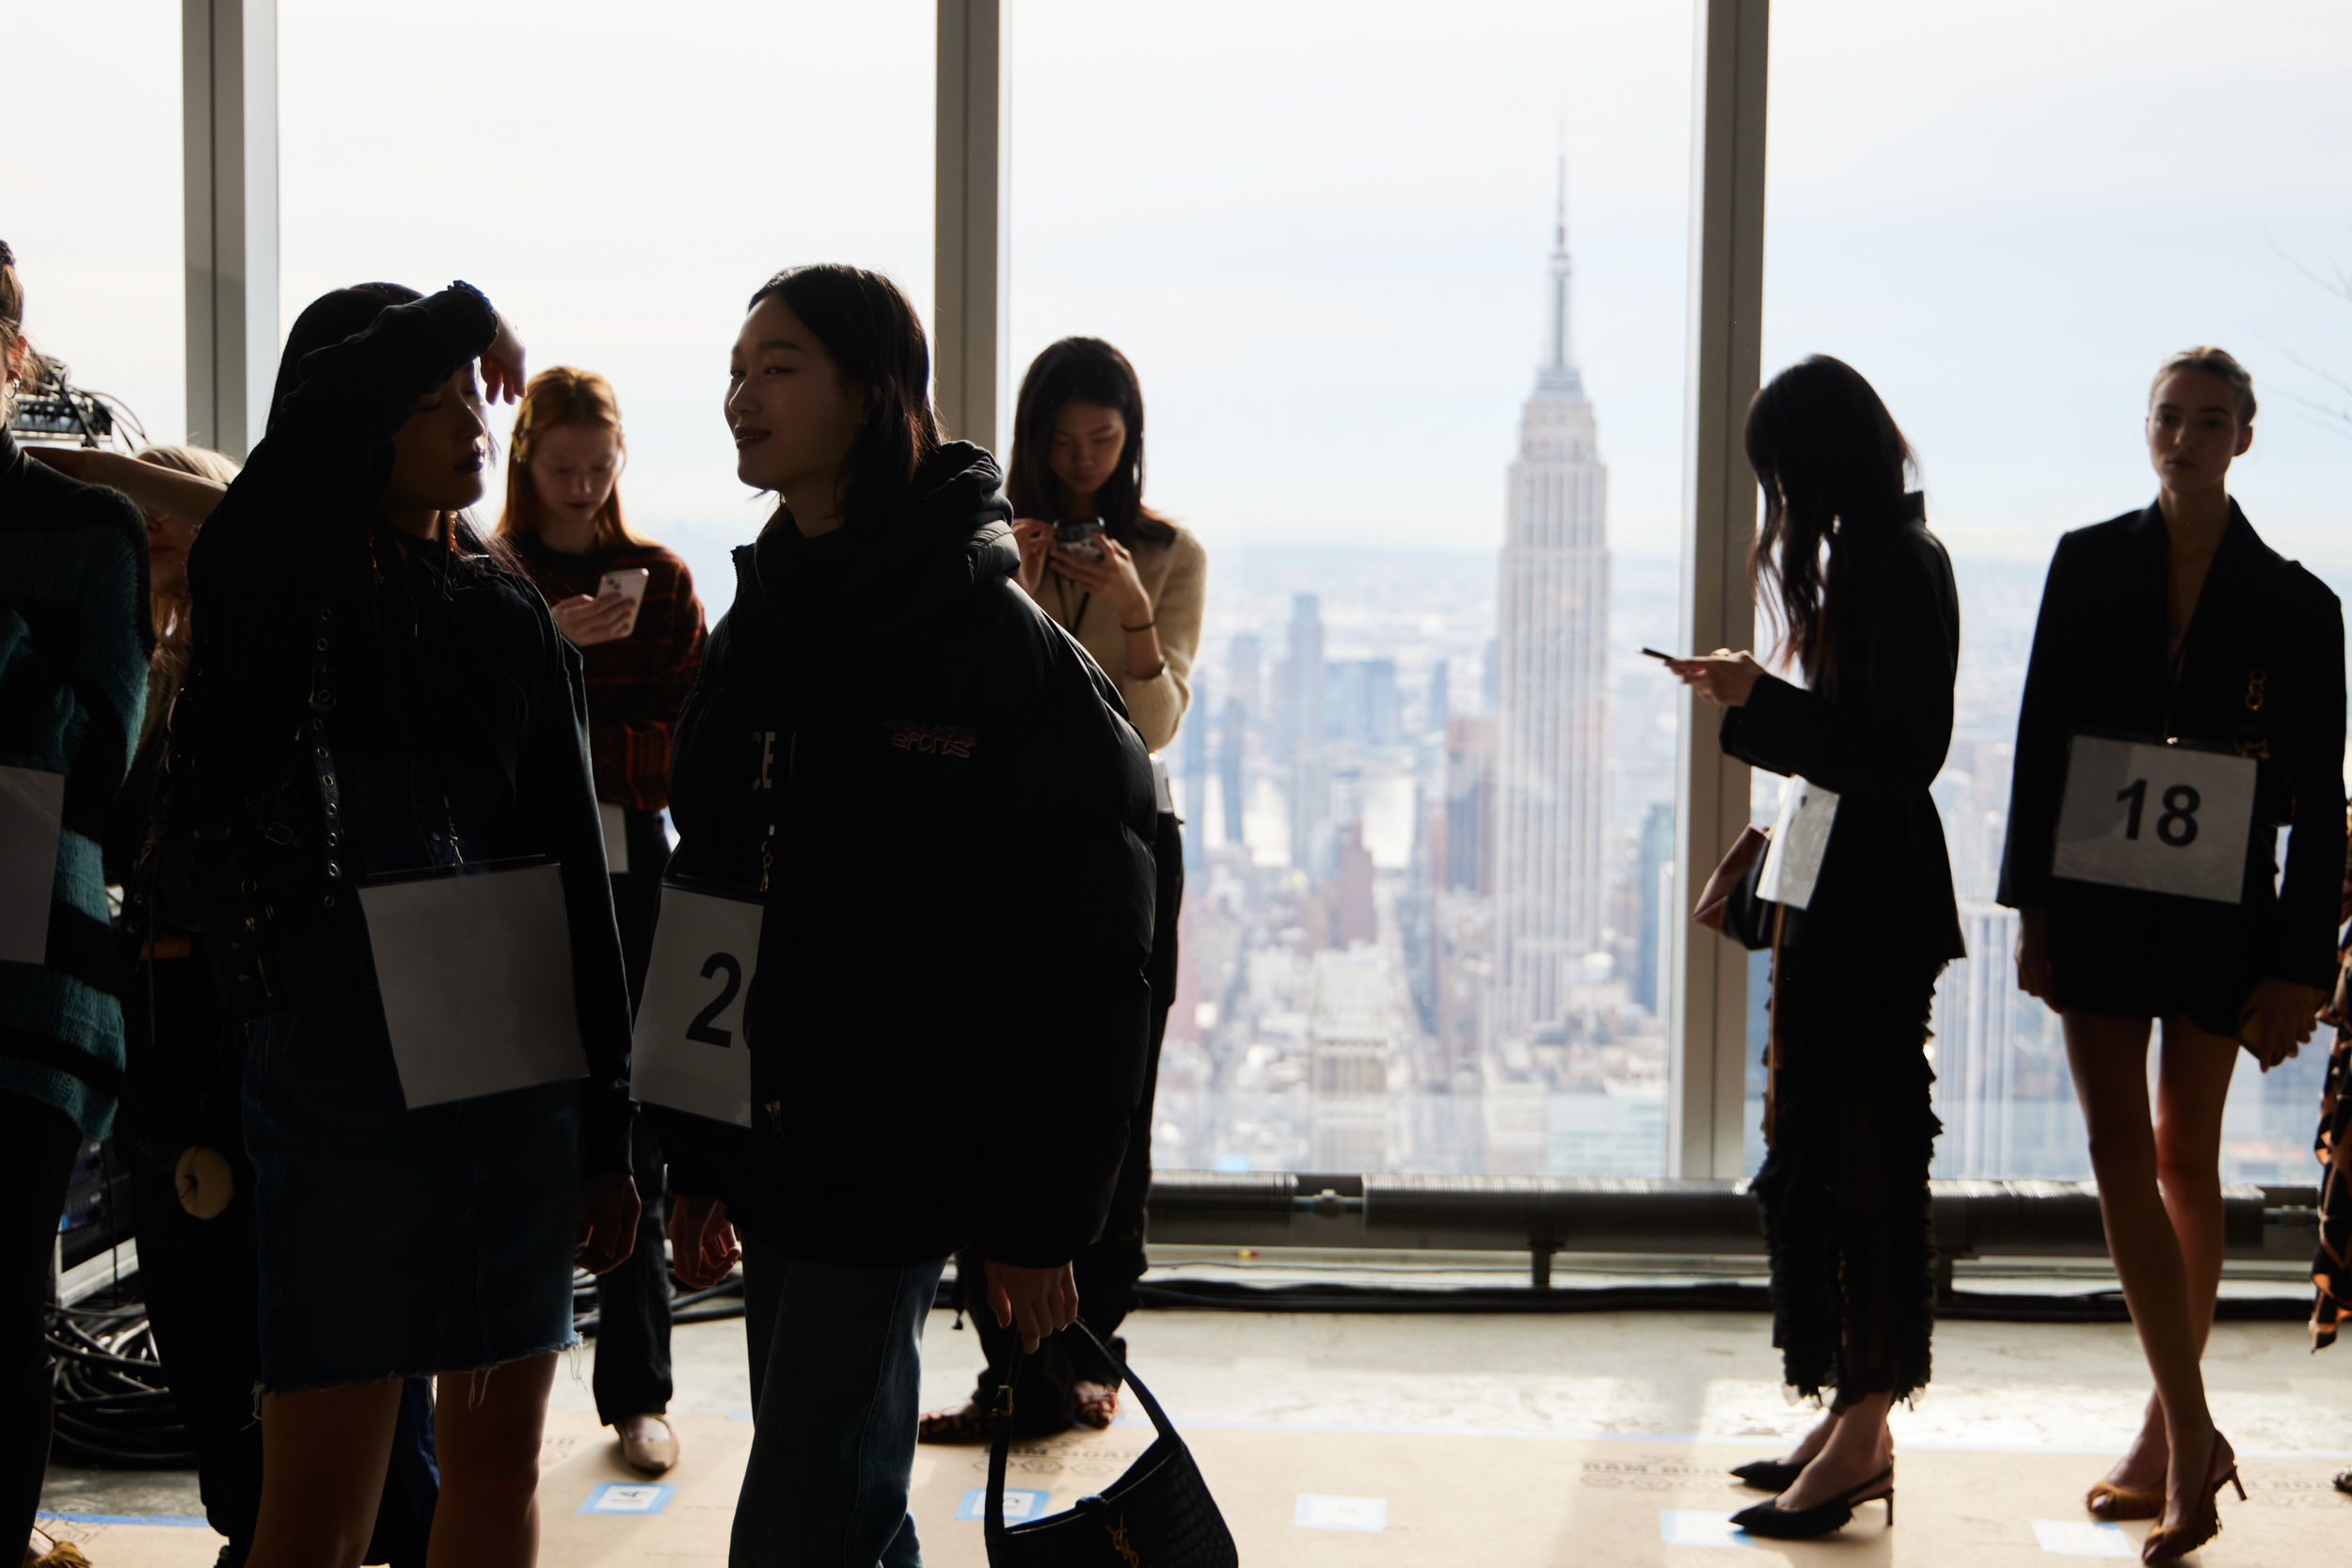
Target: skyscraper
{"points": [[1553, 646]]}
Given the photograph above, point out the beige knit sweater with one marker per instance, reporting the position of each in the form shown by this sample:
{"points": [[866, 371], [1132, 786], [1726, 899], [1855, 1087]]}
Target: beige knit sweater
{"points": [[1175, 575]]}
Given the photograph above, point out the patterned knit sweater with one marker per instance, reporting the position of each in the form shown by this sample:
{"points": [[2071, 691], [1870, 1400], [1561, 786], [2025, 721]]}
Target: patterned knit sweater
{"points": [[637, 684], [74, 643]]}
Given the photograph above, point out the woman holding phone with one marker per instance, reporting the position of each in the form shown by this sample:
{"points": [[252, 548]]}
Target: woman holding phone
{"points": [[1129, 585], [1866, 596], [376, 702], [2176, 627], [629, 606]]}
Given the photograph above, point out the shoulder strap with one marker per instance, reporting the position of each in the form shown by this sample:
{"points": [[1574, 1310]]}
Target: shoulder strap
{"points": [[1000, 1445]]}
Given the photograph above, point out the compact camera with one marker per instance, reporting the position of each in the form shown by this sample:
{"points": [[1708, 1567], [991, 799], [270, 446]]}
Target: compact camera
{"points": [[1079, 537]]}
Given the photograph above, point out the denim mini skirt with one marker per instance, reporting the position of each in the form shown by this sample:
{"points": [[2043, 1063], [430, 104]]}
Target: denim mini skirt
{"points": [[398, 1243]]}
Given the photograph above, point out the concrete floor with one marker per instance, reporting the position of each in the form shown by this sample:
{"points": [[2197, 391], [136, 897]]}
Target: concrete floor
{"points": [[1280, 1406]]}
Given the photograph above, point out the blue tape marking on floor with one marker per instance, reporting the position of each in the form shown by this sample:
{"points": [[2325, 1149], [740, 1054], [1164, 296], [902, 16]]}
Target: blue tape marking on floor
{"points": [[1319, 1511], [2083, 1537], [179, 1521], [1685, 1526], [1019, 1505], [626, 1497]]}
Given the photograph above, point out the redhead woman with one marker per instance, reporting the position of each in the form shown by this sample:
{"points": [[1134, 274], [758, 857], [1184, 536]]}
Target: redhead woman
{"points": [[629, 606]]}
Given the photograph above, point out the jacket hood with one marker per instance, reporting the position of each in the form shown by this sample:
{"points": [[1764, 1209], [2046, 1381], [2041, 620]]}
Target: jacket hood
{"points": [[951, 535]]}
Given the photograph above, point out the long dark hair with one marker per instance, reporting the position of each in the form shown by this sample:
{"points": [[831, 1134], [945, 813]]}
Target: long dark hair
{"points": [[878, 349], [1833, 466], [1085, 369], [331, 318]]}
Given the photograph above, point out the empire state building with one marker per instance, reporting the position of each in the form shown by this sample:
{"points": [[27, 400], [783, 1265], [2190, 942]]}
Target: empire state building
{"points": [[1553, 648]]}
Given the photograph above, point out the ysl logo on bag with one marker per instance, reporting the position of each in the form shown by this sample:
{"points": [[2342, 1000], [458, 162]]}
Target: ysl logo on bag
{"points": [[1120, 1544]]}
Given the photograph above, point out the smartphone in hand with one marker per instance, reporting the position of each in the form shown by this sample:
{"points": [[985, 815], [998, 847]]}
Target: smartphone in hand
{"points": [[628, 582]]}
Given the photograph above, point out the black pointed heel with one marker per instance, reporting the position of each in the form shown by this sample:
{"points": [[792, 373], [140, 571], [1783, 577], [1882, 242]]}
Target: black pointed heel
{"points": [[1768, 1475], [1821, 1518]]}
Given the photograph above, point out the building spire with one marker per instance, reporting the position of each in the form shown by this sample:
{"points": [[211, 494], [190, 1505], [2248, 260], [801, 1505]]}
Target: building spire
{"points": [[1560, 230], [1558, 375]]}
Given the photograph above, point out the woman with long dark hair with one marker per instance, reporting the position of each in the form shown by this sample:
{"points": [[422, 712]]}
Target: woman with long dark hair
{"points": [[2180, 658], [884, 728], [379, 711], [1132, 594], [1865, 592]]}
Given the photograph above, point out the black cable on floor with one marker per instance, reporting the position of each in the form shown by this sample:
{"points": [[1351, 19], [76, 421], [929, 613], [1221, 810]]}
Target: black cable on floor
{"points": [[113, 1409]]}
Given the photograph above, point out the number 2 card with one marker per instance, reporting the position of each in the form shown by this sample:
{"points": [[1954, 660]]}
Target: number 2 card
{"points": [[689, 1053], [2160, 818]]}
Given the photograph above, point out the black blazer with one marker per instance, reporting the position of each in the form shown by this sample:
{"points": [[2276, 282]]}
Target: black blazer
{"points": [[2265, 631], [1875, 728]]}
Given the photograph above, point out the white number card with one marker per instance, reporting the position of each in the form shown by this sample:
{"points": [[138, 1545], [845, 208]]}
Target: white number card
{"points": [[689, 1053], [2160, 818], [614, 821], [32, 805], [1799, 838], [476, 971]]}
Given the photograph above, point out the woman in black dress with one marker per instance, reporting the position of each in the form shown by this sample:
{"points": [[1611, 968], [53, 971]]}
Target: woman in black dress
{"points": [[1873, 623], [2177, 626]]}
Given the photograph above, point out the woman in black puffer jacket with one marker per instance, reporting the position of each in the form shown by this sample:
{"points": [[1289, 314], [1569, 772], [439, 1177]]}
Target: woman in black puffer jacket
{"points": [[885, 728]]}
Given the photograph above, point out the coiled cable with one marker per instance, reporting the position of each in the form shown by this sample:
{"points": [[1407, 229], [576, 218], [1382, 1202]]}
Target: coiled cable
{"points": [[113, 1409]]}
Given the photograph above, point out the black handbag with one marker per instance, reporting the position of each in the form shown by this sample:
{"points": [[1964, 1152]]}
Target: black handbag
{"points": [[1159, 1514]]}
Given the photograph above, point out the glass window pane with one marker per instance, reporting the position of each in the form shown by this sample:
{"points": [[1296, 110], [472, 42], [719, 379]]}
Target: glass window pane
{"points": [[93, 199], [618, 178], [2006, 246], [1328, 248]]}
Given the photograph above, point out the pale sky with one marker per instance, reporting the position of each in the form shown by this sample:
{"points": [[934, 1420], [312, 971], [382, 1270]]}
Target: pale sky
{"points": [[1319, 230]]}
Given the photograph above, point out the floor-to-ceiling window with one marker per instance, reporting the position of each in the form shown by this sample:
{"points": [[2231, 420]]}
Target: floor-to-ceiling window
{"points": [[91, 197], [2006, 215], [619, 178], [1429, 426]]}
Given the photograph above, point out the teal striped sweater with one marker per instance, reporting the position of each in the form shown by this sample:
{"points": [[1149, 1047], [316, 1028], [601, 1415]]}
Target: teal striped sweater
{"points": [[74, 643]]}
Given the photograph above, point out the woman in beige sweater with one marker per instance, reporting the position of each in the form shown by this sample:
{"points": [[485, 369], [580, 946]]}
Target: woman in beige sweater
{"points": [[1131, 594], [1127, 583]]}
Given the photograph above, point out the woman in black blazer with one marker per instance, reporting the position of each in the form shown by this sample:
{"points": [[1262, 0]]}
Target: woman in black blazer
{"points": [[1876, 634], [2179, 626]]}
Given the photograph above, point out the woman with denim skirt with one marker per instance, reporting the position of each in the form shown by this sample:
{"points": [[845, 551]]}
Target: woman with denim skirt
{"points": [[374, 692]]}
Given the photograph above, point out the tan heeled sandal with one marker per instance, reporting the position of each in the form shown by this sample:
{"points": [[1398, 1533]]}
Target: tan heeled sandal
{"points": [[2168, 1544], [966, 1423], [2107, 1501]]}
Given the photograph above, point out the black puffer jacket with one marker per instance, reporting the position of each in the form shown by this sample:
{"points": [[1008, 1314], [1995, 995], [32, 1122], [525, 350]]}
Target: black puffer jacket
{"points": [[450, 684], [887, 720]]}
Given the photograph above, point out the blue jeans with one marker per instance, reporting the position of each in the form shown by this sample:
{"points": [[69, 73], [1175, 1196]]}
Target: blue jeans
{"points": [[836, 1385]]}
